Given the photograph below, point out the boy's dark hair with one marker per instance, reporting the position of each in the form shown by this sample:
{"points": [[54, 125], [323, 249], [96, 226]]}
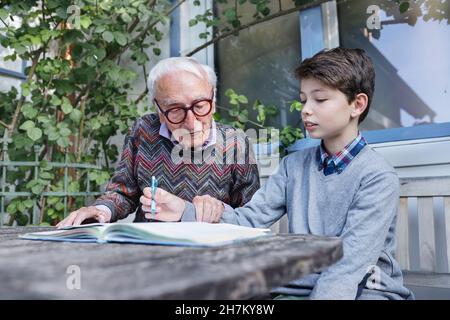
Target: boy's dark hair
{"points": [[349, 70]]}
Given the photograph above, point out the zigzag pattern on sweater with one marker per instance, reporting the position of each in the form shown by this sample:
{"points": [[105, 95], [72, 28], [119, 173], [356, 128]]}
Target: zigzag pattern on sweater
{"points": [[146, 153]]}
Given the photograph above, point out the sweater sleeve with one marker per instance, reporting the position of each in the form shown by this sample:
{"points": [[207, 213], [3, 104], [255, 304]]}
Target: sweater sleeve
{"points": [[245, 178], [122, 192], [267, 205], [365, 231], [265, 208]]}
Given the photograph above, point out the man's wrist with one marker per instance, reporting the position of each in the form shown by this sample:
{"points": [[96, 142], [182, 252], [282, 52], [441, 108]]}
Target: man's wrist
{"points": [[106, 207]]}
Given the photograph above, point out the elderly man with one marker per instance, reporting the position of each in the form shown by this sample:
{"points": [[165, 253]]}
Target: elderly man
{"points": [[184, 93]]}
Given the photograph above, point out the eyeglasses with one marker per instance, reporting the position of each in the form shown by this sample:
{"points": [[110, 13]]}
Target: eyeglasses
{"points": [[178, 111]]}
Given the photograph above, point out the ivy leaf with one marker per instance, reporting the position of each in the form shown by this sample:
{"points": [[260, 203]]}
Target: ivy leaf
{"points": [[53, 136], [34, 133], [95, 124], [100, 29], [242, 99], [63, 142], [108, 36], [21, 141], [140, 57], [45, 165], [76, 116], [25, 89], [66, 106], [12, 208], [52, 200], [19, 48], [192, 22], [74, 186], [46, 175], [125, 17], [28, 111], [85, 22], [3, 14], [296, 105], [27, 125], [65, 86], [55, 100], [28, 203], [100, 54], [157, 51], [21, 207], [43, 119], [233, 112], [65, 132], [120, 38], [243, 117], [404, 6], [229, 92], [37, 188]]}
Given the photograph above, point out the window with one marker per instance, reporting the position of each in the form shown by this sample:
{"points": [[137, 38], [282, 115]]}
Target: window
{"points": [[260, 63], [410, 53], [11, 72]]}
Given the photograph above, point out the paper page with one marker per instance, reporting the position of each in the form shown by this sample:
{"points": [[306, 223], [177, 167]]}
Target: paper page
{"points": [[92, 231], [189, 232]]}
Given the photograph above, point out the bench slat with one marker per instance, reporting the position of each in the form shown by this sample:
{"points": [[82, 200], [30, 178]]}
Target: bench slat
{"points": [[413, 225], [425, 187], [402, 231], [447, 229], [427, 246]]}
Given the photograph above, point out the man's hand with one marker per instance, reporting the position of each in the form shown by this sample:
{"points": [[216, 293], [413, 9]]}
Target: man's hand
{"points": [[77, 217], [168, 206], [208, 209]]}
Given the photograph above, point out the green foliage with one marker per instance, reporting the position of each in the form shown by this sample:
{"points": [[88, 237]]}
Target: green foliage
{"points": [[74, 84], [404, 6], [237, 115]]}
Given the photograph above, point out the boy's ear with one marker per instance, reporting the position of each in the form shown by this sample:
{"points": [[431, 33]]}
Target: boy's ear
{"points": [[359, 105]]}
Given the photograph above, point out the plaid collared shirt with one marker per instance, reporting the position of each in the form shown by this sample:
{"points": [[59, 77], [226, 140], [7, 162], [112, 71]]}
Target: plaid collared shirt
{"points": [[339, 161]]}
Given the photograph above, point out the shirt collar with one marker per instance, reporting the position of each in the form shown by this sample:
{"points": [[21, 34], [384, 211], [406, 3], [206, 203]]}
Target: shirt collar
{"points": [[339, 161], [165, 132]]}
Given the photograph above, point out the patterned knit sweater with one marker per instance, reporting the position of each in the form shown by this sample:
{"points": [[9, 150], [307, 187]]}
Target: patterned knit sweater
{"points": [[146, 153]]}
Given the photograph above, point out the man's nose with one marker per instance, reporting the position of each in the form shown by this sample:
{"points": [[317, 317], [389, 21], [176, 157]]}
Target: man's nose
{"points": [[189, 122]]}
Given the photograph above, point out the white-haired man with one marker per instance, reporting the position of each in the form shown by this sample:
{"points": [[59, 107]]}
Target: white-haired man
{"points": [[184, 93]]}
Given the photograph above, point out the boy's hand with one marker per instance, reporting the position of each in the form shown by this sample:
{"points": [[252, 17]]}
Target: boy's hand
{"points": [[208, 209], [75, 218], [168, 206]]}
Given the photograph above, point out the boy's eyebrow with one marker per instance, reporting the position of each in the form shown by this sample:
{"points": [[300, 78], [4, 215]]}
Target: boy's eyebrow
{"points": [[315, 90]]}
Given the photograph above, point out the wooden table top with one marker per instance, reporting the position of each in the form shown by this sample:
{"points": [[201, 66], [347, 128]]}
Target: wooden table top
{"points": [[41, 269]]}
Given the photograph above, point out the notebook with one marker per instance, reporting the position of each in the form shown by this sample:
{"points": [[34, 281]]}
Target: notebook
{"points": [[161, 233]]}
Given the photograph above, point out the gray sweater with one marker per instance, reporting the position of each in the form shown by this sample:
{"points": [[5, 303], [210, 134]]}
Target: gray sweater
{"points": [[358, 205]]}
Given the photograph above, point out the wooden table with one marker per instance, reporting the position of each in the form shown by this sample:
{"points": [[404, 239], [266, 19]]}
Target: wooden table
{"points": [[41, 269]]}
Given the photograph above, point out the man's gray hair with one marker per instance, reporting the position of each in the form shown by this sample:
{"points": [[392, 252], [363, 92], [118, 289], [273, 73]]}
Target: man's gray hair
{"points": [[188, 64]]}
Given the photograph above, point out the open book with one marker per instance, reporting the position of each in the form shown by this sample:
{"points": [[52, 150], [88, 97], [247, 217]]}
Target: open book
{"points": [[161, 233]]}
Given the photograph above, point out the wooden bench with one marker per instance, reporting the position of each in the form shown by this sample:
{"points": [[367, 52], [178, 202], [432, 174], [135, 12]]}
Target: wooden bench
{"points": [[423, 236]]}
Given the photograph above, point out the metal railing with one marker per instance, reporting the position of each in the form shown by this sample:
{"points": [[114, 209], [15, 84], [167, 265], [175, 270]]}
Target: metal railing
{"points": [[5, 164]]}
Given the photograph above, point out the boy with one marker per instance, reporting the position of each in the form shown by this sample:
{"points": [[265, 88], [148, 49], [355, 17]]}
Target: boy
{"points": [[341, 188]]}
